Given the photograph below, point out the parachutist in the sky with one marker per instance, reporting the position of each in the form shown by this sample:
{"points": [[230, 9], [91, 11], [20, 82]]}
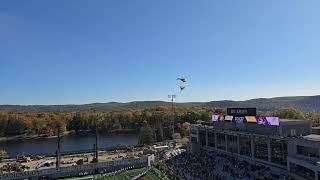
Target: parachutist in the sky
{"points": [[182, 87]]}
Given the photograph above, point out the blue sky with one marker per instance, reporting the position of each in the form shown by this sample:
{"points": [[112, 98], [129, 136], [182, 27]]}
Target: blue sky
{"points": [[74, 52]]}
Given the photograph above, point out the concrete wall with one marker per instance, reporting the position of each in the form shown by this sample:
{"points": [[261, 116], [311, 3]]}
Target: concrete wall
{"points": [[225, 125], [294, 142], [286, 128], [299, 128], [247, 127], [314, 168], [315, 130], [262, 129], [72, 171]]}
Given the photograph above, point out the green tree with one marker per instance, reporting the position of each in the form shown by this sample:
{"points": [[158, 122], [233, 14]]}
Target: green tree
{"points": [[75, 122], [185, 128], [3, 154], [176, 136], [290, 113], [146, 136], [3, 122]]}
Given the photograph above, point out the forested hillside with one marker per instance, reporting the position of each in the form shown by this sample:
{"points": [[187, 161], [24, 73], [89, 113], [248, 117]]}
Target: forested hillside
{"points": [[152, 118], [157, 121], [303, 103]]}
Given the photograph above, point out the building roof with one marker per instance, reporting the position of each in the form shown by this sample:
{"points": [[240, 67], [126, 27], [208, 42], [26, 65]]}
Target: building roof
{"points": [[312, 137], [160, 147], [293, 121]]}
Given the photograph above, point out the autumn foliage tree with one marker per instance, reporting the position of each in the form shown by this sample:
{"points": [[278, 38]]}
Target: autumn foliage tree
{"points": [[158, 121]]}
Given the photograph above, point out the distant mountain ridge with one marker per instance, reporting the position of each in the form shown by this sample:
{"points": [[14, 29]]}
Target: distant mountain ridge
{"points": [[304, 103]]}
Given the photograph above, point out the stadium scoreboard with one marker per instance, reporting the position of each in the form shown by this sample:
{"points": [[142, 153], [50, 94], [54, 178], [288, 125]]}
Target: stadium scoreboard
{"points": [[245, 115], [240, 112]]}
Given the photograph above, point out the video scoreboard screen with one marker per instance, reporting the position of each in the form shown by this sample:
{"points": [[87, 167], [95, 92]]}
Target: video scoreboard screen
{"points": [[262, 120], [246, 115]]}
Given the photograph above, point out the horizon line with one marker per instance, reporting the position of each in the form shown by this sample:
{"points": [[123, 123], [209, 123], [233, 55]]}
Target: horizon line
{"points": [[125, 102]]}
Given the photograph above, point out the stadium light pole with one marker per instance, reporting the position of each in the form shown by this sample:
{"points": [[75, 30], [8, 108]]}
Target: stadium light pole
{"points": [[172, 97], [182, 80]]}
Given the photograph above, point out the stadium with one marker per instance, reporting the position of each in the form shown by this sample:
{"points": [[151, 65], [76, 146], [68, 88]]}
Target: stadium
{"points": [[284, 144]]}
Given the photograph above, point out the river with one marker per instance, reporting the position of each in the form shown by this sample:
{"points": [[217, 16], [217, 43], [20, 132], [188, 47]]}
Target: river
{"points": [[68, 143]]}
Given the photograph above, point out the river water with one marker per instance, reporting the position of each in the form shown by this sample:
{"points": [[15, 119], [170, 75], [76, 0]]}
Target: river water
{"points": [[68, 143]]}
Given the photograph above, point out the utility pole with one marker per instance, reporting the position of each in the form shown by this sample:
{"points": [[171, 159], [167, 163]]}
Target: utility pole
{"points": [[97, 139], [58, 151], [57, 160], [94, 153]]}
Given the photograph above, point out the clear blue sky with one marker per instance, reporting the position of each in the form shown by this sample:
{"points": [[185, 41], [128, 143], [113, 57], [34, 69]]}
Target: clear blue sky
{"points": [[74, 52]]}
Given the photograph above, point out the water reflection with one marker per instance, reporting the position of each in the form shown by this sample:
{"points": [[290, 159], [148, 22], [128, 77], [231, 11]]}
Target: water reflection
{"points": [[68, 143]]}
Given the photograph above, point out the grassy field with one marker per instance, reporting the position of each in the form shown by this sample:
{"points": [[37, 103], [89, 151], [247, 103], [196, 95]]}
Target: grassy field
{"points": [[126, 175], [150, 176], [154, 174]]}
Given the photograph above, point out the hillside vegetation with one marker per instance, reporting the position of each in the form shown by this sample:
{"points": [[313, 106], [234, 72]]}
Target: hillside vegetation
{"points": [[154, 124], [303, 103]]}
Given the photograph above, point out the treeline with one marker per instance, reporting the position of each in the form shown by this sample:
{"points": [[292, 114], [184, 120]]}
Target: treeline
{"points": [[154, 123], [159, 119], [293, 113]]}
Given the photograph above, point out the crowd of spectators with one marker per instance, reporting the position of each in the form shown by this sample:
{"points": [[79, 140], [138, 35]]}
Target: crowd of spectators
{"points": [[218, 166]]}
